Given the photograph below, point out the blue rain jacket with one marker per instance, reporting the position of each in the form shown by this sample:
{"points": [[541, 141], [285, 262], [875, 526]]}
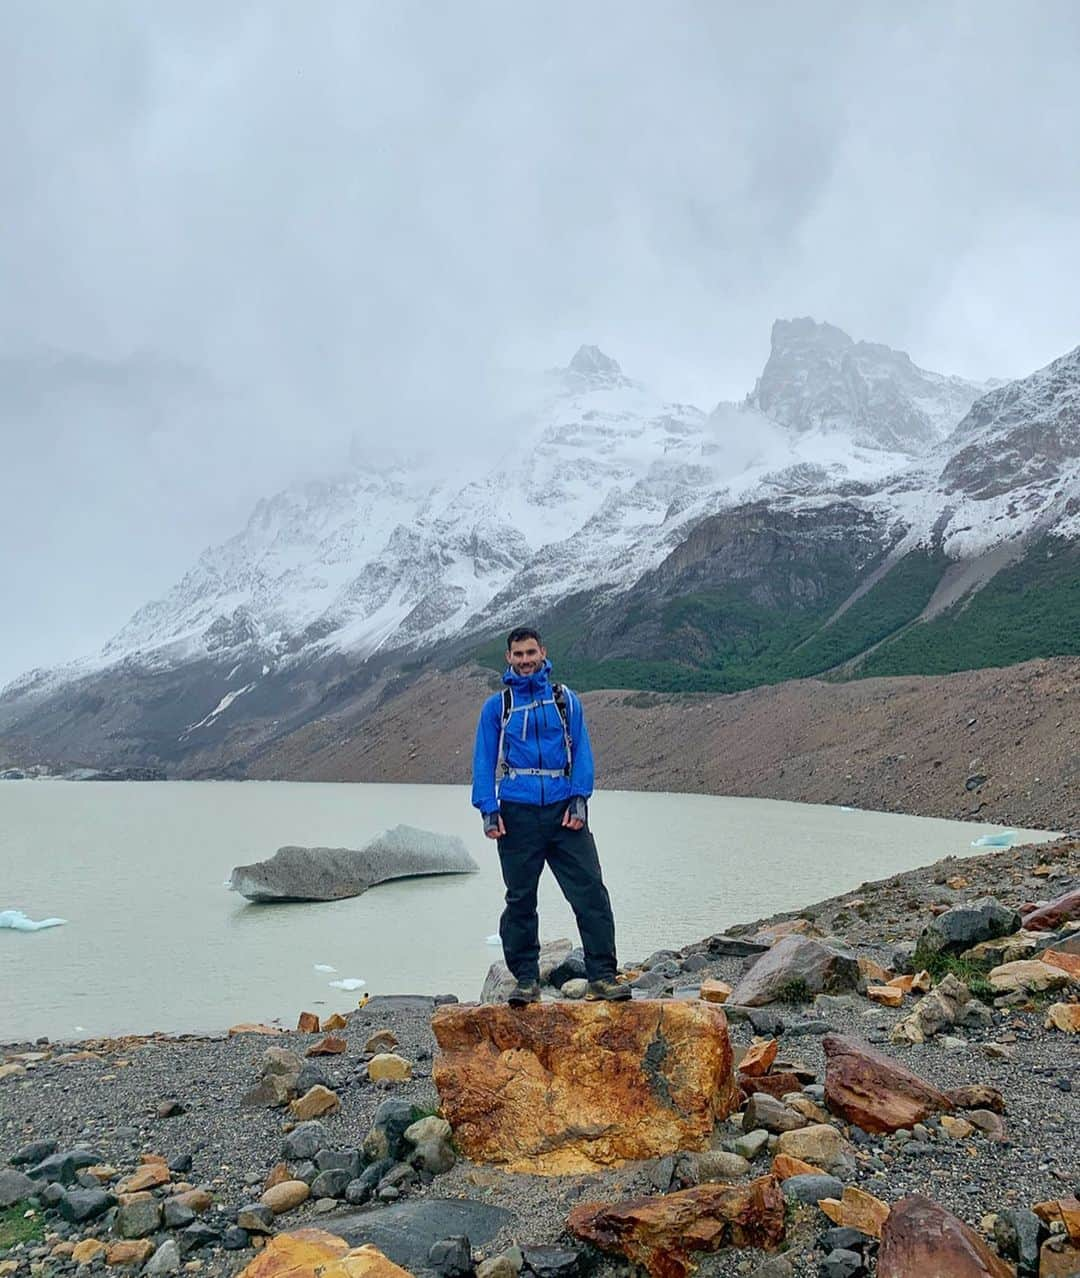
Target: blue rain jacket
{"points": [[534, 739]]}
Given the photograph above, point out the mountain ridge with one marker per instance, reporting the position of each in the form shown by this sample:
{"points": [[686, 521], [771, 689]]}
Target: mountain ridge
{"points": [[613, 501]]}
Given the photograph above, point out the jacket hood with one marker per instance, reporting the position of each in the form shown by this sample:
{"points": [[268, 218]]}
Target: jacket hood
{"points": [[529, 683]]}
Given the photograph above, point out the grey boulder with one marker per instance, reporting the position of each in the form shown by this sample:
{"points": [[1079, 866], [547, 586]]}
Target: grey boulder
{"points": [[329, 874], [796, 968], [15, 1186], [963, 926]]}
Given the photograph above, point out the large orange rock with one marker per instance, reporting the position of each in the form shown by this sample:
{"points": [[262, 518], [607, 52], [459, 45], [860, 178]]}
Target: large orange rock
{"points": [[874, 1091], [921, 1238], [298, 1253], [311, 1253], [660, 1232], [557, 1088], [362, 1262]]}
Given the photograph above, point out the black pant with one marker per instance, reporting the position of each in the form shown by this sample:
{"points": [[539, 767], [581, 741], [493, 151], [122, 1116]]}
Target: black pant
{"points": [[534, 836]]}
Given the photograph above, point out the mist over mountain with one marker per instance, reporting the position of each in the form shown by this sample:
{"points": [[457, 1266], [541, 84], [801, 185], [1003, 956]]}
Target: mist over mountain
{"points": [[661, 544]]}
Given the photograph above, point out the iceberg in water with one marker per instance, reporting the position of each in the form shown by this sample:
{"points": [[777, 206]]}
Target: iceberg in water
{"points": [[1002, 840], [330, 874], [17, 919], [349, 983]]}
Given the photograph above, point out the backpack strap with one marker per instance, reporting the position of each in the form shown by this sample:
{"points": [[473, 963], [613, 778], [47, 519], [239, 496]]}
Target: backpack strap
{"points": [[500, 765], [558, 693]]}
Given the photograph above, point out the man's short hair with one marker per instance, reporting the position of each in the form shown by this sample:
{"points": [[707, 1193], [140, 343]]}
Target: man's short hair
{"points": [[523, 632]]}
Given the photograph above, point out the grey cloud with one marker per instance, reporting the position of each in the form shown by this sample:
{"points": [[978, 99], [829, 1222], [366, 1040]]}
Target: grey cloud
{"points": [[358, 219]]}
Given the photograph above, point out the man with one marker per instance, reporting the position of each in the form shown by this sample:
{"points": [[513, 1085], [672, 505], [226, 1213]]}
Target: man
{"points": [[532, 778]]}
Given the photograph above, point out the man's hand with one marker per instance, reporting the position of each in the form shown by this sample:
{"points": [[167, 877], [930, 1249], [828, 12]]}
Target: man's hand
{"points": [[576, 813], [493, 826]]}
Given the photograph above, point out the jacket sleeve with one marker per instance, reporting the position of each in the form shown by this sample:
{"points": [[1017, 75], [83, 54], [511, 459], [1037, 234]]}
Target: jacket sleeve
{"points": [[485, 758], [581, 773]]}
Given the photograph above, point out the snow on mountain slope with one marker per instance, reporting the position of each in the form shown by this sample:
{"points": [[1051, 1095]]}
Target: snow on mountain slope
{"points": [[1010, 470], [598, 486]]}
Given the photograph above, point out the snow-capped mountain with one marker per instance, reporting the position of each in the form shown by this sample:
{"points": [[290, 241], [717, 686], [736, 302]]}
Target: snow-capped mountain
{"points": [[599, 485], [818, 378], [602, 486]]}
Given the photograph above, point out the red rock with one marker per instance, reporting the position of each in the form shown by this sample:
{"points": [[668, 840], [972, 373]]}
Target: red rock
{"points": [[874, 1091], [1059, 1258], [778, 1084], [308, 1023], [1049, 917], [977, 1096], [1069, 963], [331, 1045], [660, 1232], [335, 1021], [920, 1239]]}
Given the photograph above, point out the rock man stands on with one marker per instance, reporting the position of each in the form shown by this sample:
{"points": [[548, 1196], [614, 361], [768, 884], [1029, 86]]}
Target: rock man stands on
{"points": [[532, 778]]}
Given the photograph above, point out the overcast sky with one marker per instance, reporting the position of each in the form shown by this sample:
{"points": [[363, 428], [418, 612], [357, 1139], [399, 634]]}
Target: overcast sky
{"points": [[331, 219]]}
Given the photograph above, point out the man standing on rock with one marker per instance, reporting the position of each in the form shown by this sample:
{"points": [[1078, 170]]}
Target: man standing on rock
{"points": [[532, 778]]}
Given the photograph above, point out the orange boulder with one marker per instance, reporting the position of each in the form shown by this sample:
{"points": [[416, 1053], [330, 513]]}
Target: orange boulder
{"points": [[561, 1088]]}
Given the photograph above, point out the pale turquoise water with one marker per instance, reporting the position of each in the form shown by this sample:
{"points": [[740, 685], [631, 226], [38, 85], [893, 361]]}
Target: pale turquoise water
{"points": [[154, 941]]}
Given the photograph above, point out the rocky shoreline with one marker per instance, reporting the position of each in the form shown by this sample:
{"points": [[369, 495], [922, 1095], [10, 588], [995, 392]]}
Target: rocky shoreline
{"points": [[179, 1147]]}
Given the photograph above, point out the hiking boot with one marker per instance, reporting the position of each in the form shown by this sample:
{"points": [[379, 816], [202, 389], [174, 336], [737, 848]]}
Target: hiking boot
{"points": [[524, 992], [608, 989]]}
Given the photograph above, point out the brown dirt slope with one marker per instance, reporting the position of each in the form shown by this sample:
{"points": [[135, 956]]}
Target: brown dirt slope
{"points": [[909, 744]]}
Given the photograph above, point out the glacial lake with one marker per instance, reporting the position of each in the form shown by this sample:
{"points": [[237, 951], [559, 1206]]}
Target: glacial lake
{"points": [[154, 941]]}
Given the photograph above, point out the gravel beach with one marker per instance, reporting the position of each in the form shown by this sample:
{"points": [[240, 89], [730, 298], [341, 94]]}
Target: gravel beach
{"points": [[178, 1097]]}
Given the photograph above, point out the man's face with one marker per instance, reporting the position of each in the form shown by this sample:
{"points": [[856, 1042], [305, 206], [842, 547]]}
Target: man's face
{"points": [[525, 656]]}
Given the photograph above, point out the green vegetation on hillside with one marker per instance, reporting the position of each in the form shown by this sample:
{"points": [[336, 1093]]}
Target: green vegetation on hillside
{"points": [[722, 640], [1031, 609]]}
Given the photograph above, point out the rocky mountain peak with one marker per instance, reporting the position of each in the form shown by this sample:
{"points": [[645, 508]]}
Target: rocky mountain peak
{"points": [[819, 378], [591, 367], [1025, 432]]}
